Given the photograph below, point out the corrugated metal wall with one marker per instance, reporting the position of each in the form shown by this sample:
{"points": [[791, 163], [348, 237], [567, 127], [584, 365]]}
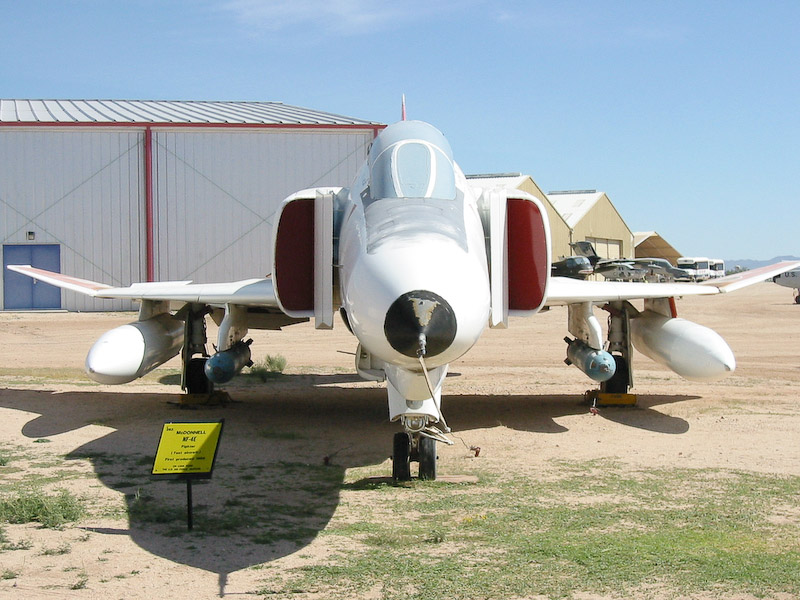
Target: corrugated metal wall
{"points": [[216, 194], [81, 190]]}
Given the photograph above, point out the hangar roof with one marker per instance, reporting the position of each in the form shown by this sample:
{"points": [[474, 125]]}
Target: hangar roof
{"points": [[499, 180], [517, 181], [166, 112], [649, 244], [573, 206]]}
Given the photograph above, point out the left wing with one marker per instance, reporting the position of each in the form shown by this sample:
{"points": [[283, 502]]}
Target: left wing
{"points": [[563, 291], [690, 350]]}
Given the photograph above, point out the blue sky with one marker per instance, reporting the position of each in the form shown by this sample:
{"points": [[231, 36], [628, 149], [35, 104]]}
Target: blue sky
{"points": [[686, 113]]}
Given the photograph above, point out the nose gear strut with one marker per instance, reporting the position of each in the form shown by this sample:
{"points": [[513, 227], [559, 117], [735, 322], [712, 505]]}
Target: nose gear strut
{"points": [[418, 441], [432, 431]]}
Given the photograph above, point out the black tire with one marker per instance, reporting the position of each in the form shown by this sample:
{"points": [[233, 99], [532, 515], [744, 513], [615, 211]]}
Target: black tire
{"points": [[618, 384], [196, 380], [427, 458], [797, 299], [401, 457]]}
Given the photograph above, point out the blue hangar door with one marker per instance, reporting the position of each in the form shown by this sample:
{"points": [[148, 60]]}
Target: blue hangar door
{"points": [[23, 293]]}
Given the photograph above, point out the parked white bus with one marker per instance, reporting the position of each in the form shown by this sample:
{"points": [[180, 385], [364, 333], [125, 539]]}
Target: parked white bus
{"points": [[698, 267], [717, 267]]}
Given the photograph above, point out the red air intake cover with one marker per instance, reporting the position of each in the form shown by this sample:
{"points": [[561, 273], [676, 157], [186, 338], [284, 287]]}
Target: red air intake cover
{"points": [[528, 266], [293, 274]]}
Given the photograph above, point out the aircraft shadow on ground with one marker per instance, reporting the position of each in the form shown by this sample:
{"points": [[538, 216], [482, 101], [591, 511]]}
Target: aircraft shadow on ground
{"points": [[244, 382], [282, 457]]}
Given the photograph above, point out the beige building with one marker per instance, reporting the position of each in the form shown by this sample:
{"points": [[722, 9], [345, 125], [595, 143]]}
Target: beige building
{"points": [[648, 244], [559, 230], [574, 216], [591, 216]]}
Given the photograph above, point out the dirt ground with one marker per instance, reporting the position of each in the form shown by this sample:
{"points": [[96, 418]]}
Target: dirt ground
{"points": [[512, 396]]}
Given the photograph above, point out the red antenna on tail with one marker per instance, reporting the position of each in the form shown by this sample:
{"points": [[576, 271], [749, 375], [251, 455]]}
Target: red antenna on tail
{"points": [[404, 107]]}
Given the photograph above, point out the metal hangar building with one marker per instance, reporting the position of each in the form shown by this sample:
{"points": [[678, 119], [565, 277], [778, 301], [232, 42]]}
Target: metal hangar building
{"points": [[591, 216], [127, 191]]}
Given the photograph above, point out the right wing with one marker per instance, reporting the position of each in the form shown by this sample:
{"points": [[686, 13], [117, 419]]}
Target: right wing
{"points": [[562, 290], [249, 292]]}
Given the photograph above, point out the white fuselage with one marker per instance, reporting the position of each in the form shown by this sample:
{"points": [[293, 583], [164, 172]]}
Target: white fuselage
{"points": [[413, 272], [392, 246], [790, 279]]}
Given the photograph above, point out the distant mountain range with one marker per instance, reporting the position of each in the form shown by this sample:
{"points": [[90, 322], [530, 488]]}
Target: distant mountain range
{"points": [[747, 263]]}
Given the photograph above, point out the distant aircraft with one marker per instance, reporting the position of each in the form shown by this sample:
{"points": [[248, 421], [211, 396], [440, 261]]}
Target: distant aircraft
{"points": [[630, 269], [576, 267], [790, 279], [621, 270], [662, 269], [418, 263]]}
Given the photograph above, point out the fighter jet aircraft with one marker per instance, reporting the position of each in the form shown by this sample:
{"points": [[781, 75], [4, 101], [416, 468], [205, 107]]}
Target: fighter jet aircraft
{"points": [[630, 269], [576, 267], [418, 263], [662, 270], [790, 279]]}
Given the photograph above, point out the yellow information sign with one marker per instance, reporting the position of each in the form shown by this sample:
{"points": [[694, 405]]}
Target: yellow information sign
{"points": [[187, 449]]}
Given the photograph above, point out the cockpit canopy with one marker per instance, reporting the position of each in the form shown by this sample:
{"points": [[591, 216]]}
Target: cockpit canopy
{"points": [[411, 159]]}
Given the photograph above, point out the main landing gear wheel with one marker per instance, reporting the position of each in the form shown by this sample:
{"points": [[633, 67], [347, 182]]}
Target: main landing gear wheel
{"points": [[427, 458], [618, 384], [196, 380], [401, 457]]}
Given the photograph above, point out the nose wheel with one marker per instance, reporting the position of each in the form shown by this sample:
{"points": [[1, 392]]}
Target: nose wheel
{"points": [[421, 449], [427, 458], [401, 457]]}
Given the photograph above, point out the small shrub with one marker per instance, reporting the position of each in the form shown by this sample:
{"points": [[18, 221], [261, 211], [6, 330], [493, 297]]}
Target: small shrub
{"points": [[271, 366], [7, 544], [276, 364], [25, 544], [34, 505], [64, 548], [83, 580]]}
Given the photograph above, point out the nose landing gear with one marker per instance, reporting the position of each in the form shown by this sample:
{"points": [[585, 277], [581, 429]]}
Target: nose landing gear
{"points": [[410, 448]]}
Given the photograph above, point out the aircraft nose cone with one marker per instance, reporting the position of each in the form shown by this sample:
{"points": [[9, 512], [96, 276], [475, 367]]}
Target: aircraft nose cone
{"points": [[420, 318]]}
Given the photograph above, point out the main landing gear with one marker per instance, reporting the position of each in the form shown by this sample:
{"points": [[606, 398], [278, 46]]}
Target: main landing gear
{"points": [[194, 380], [620, 347], [417, 448], [620, 381]]}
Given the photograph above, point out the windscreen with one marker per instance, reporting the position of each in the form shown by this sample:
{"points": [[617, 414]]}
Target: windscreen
{"points": [[412, 169]]}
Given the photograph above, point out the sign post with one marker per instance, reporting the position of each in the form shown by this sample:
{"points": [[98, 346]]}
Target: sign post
{"points": [[187, 450]]}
